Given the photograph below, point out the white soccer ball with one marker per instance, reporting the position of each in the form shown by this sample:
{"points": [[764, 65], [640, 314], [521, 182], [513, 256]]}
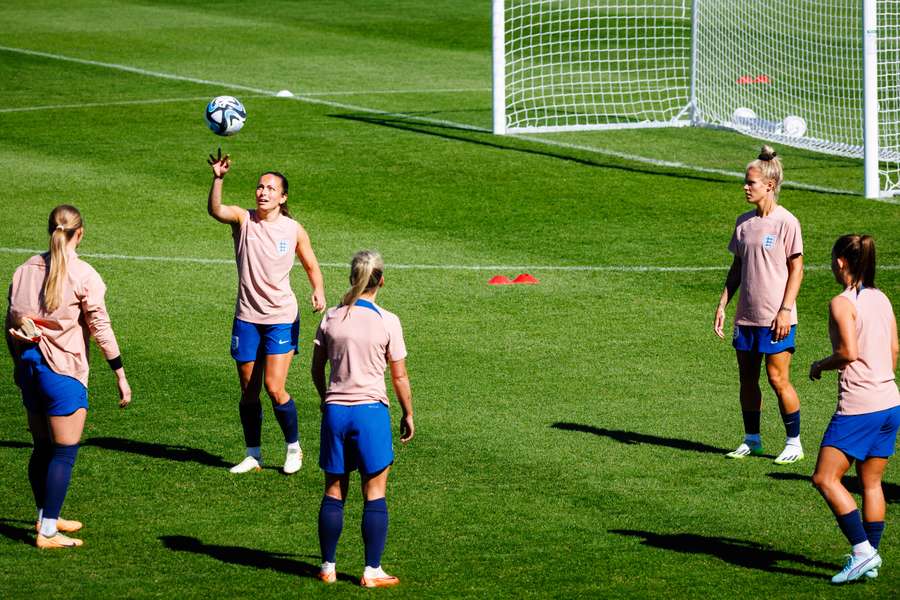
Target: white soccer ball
{"points": [[225, 115], [793, 126], [743, 117]]}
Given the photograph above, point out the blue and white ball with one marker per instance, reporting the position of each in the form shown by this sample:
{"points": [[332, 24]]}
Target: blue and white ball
{"points": [[225, 115]]}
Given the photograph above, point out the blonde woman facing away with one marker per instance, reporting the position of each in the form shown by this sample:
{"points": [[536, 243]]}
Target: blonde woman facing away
{"points": [[361, 340], [768, 268], [56, 303]]}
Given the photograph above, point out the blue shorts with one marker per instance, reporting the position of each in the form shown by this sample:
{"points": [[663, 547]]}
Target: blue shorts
{"points": [[45, 391], [871, 435], [355, 437], [748, 338], [251, 340]]}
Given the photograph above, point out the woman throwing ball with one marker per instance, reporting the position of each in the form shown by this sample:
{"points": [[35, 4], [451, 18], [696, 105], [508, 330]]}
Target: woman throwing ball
{"points": [[360, 340], [56, 303], [266, 320], [768, 269], [863, 334]]}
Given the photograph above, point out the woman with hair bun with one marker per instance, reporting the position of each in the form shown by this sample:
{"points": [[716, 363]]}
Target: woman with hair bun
{"points": [[56, 303], [360, 339], [863, 332], [768, 268], [266, 317]]}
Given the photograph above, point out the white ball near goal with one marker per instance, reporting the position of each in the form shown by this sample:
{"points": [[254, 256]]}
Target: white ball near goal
{"points": [[743, 117], [793, 126]]}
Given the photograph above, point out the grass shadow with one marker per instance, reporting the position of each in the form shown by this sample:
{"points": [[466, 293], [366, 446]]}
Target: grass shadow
{"points": [[14, 444], [478, 136], [25, 534], [246, 557], [154, 450], [741, 553], [631, 437], [891, 490]]}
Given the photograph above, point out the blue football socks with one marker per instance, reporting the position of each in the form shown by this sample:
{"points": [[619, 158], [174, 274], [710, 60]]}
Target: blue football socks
{"points": [[874, 530], [791, 424], [251, 421], [59, 473], [374, 530], [331, 522], [286, 414], [37, 471]]}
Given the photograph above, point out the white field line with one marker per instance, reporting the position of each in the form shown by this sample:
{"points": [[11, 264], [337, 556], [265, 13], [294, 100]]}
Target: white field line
{"points": [[103, 104], [351, 107], [434, 267]]}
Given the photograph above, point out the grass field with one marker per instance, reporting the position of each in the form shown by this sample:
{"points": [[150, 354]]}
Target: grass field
{"points": [[569, 434]]}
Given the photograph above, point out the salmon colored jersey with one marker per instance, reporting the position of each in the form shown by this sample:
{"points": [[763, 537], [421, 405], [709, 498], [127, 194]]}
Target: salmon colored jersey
{"points": [[764, 245], [358, 345], [867, 384], [65, 331], [265, 253]]}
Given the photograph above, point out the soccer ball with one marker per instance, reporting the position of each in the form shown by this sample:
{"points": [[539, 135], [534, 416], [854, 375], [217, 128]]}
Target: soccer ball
{"points": [[225, 115], [743, 117], [793, 126]]}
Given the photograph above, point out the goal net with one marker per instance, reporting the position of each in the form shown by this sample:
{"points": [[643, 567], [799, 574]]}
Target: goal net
{"points": [[789, 71]]}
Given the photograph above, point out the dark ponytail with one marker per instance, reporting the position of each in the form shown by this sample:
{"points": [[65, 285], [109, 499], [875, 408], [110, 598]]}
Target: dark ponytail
{"points": [[859, 253]]}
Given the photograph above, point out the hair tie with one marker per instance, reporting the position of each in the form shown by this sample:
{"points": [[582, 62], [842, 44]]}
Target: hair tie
{"points": [[60, 228]]}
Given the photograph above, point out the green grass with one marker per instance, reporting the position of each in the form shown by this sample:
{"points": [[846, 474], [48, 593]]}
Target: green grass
{"points": [[569, 434]]}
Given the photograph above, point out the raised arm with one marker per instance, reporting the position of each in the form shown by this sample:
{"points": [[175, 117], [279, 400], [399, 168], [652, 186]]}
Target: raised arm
{"points": [[732, 282], [781, 325], [310, 264], [400, 381], [233, 215]]}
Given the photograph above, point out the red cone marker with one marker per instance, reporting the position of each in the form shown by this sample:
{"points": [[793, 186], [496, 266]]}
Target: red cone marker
{"points": [[525, 278], [499, 280]]}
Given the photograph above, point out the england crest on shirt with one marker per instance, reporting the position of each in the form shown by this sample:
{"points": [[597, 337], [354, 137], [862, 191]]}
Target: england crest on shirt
{"points": [[283, 247], [769, 241]]}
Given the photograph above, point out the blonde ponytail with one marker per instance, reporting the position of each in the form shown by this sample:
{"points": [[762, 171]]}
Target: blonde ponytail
{"points": [[366, 270], [62, 225]]}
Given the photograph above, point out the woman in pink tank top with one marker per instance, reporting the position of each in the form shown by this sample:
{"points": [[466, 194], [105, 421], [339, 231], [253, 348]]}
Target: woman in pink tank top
{"points": [[768, 269], [863, 333], [56, 303], [266, 321]]}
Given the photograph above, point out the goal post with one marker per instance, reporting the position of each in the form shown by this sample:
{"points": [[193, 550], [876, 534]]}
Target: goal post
{"points": [[817, 74]]}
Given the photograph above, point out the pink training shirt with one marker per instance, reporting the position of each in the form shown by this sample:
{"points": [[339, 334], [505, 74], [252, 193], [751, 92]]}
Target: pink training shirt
{"points": [[867, 384], [264, 252], [65, 331], [358, 347], [764, 245]]}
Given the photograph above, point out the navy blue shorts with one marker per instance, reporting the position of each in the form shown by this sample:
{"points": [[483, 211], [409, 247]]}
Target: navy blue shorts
{"points": [[250, 340], [45, 391], [355, 437], [748, 338], [871, 435]]}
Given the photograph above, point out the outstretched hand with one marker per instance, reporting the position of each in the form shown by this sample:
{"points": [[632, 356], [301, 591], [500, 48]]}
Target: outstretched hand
{"points": [[220, 164]]}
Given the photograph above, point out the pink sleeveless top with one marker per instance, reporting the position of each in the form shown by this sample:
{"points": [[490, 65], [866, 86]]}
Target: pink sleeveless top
{"points": [[358, 347], [867, 384], [265, 254], [65, 331]]}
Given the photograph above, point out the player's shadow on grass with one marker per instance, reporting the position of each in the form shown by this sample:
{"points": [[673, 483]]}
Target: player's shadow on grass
{"points": [[14, 444], [741, 553], [246, 557], [478, 136], [891, 490], [25, 534], [631, 437], [154, 450]]}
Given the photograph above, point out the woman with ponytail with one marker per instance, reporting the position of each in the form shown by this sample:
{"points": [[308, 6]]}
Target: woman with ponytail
{"points": [[863, 334], [266, 320], [56, 303], [768, 268], [361, 340]]}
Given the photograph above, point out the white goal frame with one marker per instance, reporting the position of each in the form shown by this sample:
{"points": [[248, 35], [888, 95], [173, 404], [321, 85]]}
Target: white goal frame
{"points": [[877, 48]]}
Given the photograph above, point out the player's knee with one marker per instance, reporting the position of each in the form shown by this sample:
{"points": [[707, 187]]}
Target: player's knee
{"points": [[822, 481], [276, 392]]}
